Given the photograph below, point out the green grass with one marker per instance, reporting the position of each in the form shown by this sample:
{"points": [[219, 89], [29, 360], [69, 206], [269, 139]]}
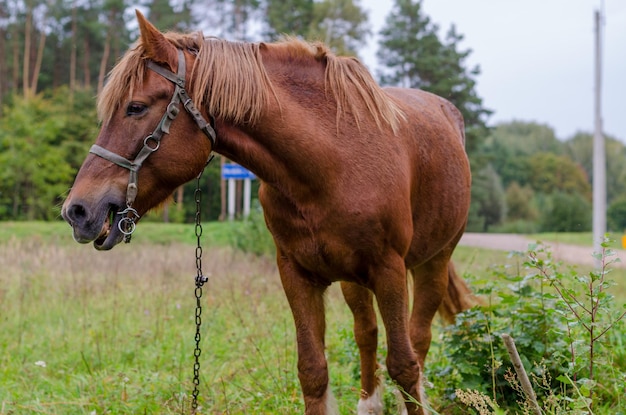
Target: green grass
{"points": [[213, 233], [115, 329], [574, 238]]}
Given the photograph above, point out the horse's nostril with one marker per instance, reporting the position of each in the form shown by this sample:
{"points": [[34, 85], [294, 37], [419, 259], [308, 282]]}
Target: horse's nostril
{"points": [[76, 213]]}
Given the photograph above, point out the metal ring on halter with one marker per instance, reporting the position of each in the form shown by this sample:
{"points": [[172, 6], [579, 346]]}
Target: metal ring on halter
{"points": [[127, 224], [148, 138]]}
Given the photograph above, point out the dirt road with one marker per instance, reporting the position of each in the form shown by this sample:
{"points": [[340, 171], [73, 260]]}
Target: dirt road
{"points": [[572, 254]]}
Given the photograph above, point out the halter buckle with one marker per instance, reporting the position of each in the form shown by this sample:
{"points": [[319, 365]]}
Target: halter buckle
{"points": [[172, 110]]}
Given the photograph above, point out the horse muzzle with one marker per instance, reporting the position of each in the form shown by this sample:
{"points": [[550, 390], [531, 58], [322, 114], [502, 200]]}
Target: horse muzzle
{"points": [[100, 224]]}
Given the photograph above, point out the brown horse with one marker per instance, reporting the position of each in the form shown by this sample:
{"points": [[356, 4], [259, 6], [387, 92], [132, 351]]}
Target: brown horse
{"points": [[359, 184]]}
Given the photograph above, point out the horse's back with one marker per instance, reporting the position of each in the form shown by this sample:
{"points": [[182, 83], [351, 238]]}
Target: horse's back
{"points": [[430, 107]]}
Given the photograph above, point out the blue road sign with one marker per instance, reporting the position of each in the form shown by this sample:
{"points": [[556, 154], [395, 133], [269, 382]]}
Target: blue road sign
{"points": [[235, 171]]}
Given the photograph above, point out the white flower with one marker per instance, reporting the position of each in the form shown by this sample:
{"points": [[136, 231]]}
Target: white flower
{"points": [[40, 363]]}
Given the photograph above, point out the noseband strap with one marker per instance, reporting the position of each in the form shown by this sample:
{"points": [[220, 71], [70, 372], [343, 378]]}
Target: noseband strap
{"points": [[152, 142]]}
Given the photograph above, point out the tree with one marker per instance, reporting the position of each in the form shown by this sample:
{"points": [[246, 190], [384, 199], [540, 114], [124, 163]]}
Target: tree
{"points": [[341, 24], [164, 16], [113, 15], [37, 160], [35, 28], [563, 212], [488, 200], [4, 67], [290, 17], [229, 19], [551, 173], [580, 149], [415, 57], [520, 203], [616, 215], [509, 147]]}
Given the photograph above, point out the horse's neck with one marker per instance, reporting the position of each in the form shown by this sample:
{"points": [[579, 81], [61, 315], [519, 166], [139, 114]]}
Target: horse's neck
{"points": [[287, 151], [293, 143]]}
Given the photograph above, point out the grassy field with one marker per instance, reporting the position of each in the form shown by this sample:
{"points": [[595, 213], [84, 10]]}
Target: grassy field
{"points": [[86, 332]]}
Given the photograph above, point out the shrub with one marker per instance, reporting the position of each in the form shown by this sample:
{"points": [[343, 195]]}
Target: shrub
{"points": [[251, 235], [616, 215], [565, 212], [565, 327]]}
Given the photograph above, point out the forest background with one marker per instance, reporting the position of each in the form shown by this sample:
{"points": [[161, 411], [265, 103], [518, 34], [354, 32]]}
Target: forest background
{"points": [[55, 55]]}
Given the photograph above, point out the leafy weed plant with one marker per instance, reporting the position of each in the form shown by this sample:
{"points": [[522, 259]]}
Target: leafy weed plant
{"points": [[567, 330]]}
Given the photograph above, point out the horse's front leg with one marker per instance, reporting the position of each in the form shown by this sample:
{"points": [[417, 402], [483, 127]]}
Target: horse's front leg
{"points": [[307, 305], [361, 303], [390, 289]]}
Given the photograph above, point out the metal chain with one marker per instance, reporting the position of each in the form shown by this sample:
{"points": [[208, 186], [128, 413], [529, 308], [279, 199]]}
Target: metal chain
{"points": [[200, 280]]}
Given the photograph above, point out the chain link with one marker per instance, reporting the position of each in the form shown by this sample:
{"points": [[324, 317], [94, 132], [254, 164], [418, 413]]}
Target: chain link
{"points": [[200, 280]]}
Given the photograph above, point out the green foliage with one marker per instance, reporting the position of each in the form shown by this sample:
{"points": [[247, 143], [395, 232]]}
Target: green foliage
{"points": [[518, 205], [341, 24], [580, 149], [488, 199], [252, 236], [616, 215], [589, 307], [291, 17], [564, 212], [546, 181], [165, 17], [39, 148], [509, 147], [475, 346], [549, 173], [566, 327]]}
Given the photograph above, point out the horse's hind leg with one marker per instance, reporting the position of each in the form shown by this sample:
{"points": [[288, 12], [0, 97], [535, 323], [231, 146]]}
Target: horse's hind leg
{"points": [[307, 306], [361, 303], [429, 288]]}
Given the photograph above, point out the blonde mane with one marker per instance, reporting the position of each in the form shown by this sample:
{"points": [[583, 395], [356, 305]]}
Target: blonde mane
{"points": [[230, 81]]}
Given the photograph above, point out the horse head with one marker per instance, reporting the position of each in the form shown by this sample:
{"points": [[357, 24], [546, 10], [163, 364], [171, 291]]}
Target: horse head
{"points": [[145, 149]]}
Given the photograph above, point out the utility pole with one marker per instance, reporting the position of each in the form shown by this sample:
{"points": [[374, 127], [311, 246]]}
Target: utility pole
{"points": [[599, 157]]}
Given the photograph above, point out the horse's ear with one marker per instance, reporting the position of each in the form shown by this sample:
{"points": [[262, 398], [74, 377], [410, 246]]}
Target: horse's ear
{"points": [[157, 47]]}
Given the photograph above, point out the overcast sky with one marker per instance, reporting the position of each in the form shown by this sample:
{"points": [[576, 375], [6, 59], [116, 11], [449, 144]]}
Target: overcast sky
{"points": [[536, 57]]}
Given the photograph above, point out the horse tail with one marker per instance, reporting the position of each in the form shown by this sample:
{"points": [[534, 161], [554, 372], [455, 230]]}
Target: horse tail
{"points": [[458, 297]]}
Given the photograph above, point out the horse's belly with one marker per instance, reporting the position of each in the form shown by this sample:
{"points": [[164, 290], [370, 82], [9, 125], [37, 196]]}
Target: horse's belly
{"points": [[337, 247]]}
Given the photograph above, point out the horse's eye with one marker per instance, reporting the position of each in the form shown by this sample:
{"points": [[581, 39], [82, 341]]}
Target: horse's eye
{"points": [[135, 108]]}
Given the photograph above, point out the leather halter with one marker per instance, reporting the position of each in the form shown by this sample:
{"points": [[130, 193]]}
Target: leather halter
{"points": [[152, 142]]}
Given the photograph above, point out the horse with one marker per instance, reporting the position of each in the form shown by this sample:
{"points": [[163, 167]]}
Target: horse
{"points": [[359, 184]]}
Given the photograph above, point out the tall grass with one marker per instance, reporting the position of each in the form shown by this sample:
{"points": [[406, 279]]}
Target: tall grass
{"points": [[86, 332]]}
